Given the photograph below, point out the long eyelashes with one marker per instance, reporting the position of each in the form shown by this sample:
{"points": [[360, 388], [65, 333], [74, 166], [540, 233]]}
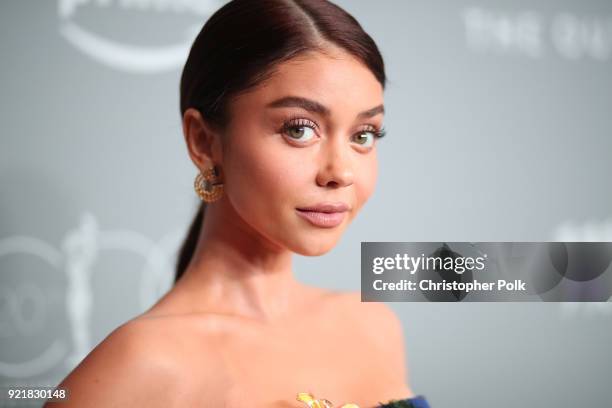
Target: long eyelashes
{"points": [[298, 122], [378, 133]]}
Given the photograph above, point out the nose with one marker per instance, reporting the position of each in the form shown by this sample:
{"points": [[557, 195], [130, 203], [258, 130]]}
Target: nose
{"points": [[336, 164]]}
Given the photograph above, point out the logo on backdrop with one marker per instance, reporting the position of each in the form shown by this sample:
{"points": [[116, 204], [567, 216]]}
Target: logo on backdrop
{"points": [[92, 37], [26, 304], [533, 34]]}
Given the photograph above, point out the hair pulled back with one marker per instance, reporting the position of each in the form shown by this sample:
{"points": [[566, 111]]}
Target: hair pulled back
{"points": [[238, 48]]}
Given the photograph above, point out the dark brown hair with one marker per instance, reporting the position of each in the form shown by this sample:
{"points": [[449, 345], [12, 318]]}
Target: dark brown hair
{"points": [[240, 45]]}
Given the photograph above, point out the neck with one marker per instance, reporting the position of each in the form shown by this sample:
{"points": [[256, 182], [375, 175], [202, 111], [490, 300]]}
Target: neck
{"points": [[236, 271]]}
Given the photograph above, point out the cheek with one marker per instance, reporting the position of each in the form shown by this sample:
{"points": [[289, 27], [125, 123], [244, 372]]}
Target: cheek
{"points": [[263, 180], [365, 182]]}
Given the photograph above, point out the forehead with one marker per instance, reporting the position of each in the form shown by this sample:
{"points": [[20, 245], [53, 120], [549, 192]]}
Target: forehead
{"points": [[337, 80]]}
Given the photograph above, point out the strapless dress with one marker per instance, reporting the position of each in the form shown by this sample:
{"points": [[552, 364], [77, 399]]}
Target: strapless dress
{"points": [[418, 401]]}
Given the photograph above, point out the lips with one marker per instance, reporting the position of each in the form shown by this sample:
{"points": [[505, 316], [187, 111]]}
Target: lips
{"points": [[325, 215], [326, 207]]}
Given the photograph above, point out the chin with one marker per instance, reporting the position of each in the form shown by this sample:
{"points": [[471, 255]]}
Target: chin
{"points": [[314, 246]]}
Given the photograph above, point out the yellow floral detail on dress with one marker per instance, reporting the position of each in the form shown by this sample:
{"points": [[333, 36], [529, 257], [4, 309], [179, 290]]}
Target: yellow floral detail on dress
{"points": [[310, 401]]}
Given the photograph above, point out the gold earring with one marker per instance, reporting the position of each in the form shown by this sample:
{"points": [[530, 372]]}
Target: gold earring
{"points": [[207, 187]]}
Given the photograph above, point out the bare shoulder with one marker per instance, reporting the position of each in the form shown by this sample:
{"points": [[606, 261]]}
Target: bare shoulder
{"points": [[140, 363], [377, 317]]}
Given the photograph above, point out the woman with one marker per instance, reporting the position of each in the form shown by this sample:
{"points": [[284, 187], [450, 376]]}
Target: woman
{"points": [[282, 103]]}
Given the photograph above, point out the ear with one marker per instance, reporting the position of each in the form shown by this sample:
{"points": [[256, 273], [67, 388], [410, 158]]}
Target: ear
{"points": [[203, 141]]}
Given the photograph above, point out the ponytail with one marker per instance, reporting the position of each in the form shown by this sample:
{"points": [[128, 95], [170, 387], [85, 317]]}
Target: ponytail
{"points": [[188, 247]]}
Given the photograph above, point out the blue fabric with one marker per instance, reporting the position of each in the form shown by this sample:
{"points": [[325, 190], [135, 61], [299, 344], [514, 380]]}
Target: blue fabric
{"points": [[418, 401]]}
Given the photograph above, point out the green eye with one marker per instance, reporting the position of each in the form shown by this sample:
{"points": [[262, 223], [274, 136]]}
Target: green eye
{"points": [[301, 133], [363, 139], [299, 129]]}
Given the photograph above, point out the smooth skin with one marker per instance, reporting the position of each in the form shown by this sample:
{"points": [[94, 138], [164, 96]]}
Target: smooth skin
{"points": [[238, 330]]}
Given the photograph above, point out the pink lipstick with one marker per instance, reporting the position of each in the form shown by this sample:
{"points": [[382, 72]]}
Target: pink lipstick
{"points": [[325, 215]]}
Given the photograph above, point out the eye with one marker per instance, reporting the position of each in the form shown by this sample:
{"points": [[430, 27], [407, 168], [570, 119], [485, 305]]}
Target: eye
{"points": [[300, 130], [367, 137]]}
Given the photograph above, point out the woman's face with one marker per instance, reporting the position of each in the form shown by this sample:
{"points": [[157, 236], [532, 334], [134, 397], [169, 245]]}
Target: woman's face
{"points": [[304, 137]]}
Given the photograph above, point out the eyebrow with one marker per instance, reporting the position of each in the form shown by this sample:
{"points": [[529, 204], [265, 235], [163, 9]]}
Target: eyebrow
{"points": [[316, 107]]}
